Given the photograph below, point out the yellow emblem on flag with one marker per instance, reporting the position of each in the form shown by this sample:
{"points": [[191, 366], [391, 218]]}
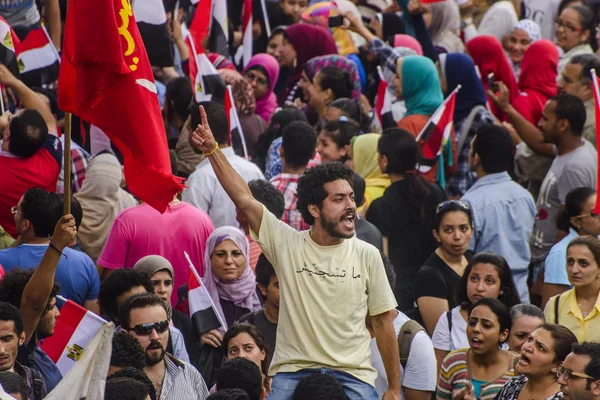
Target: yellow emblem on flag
{"points": [[8, 41], [21, 66], [125, 13], [199, 87], [75, 352]]}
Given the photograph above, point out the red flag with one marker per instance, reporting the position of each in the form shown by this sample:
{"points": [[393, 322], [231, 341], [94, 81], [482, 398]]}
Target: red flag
{"points": [[597, 110], [236, 136], [436, 133], [106, 79], [247, 32], [200, 25]]}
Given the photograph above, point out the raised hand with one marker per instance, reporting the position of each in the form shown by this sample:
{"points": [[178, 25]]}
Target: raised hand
{"points": [[502, 97], [6, 77], [202, 137], [65, 232]]}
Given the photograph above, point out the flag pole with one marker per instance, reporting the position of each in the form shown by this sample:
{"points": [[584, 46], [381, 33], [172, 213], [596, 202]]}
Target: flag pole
{"points": [[51, 43], [266, 17], [2, 98], [67, 164]]}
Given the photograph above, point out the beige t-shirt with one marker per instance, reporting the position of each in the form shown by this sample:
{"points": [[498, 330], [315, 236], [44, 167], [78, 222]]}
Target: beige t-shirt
{"points": [[326, 292]]}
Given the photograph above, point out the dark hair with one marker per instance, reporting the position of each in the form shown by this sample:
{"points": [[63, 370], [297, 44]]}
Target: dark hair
{"points": [[264, 271], [216, 117], [352, 109], [592, 350], [117, 283], [359, 185], [526, 310], [125, 389], [592, 243], [279, 120], [13, 384], [571, 108], [563, 340], [12, 286], [263, 71], [51, 95], [495, 148], [179, 95], [241, 373], [126, 351], [311, 186], [8, 312], [299, 141], [28, 132], [510, 294], [229, 394], [564, 4], [390, 272], [341, 132], [588, 62], [402, 152], [76, 210], [574, 202], [336, 79], [499, 309], [449, 206], [137, 374], [42, 209], [319, 387], [245, 327], [587, 21], [269, 195], [138, 300]]}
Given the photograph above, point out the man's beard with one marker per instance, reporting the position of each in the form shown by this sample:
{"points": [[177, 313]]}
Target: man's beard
{"points": [[153, 359], [330, 227]]}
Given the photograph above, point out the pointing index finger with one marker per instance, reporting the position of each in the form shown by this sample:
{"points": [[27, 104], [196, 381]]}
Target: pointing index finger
{"points": [[203, 117]]}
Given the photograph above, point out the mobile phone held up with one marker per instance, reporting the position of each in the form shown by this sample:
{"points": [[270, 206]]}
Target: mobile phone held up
{"points": [[492, 84], [336, 21]]}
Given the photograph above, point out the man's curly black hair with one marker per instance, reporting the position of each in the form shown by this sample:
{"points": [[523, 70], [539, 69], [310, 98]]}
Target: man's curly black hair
{"points": [[137, 374], [13, 284], [311, 186], [126, 351], [117, 283]]}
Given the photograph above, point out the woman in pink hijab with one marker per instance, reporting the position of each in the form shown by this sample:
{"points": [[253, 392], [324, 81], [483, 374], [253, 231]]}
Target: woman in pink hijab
{"points": [[402, 40], [262, 73]]}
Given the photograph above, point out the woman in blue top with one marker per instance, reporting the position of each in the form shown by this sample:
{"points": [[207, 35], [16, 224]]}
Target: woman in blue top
{"points": [[579, 219]]}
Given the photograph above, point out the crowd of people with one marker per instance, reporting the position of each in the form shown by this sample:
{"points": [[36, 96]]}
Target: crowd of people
{"points": [[335, 265]]}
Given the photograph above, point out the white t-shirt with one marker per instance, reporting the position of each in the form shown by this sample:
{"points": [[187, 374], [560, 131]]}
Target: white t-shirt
{"points": [[326, 292], [421, 366], [449, 341], [544, 13]]}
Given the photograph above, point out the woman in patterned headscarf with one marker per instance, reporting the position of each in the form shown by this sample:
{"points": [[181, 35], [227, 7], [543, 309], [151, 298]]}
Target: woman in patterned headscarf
{"points": [[523, 35]]}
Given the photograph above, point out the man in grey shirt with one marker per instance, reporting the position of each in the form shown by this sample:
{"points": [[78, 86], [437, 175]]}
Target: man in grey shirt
{"points": [[23, 16], [575, 165]]}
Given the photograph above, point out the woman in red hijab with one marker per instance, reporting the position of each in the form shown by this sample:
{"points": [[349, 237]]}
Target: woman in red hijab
{"points": [[488, 55], [301, 43], [537, 82]]}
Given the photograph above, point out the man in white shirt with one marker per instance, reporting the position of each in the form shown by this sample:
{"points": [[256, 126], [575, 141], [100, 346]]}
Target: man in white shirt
{"points": [[204, 190]]}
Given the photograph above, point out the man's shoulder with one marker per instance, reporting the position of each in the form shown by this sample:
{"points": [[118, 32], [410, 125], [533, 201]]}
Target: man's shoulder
{"points": [[77, 256]]}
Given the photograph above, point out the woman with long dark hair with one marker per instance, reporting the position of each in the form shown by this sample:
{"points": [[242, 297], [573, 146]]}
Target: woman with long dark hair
{"points": [[404, 214]]}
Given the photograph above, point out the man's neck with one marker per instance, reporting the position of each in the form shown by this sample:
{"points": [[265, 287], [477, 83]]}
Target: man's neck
{"points": [[272, 314], [36, 240], [568, 144], [480, 173], [322, 238], [287, 169], [156, 373]]}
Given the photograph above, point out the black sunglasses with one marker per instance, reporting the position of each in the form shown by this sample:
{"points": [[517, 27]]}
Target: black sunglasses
{"points": [[461, 204], [146, 329]]}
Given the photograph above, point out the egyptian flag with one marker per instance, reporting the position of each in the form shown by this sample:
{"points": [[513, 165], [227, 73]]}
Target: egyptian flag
{"points": [[383, 105], [244, 53], [203, 311], [38, 59], [208, 85], [75, 327], [10, 47], [597, 110], [152, 23], [436, 133], [219, 29], [236, 136], [200, 26], [106, 79]]}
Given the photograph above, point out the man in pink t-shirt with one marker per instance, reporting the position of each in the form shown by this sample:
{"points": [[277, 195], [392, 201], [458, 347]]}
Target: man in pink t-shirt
{"points": [[142, 231]]}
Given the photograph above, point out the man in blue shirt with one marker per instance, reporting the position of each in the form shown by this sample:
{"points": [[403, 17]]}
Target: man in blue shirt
{"points": [[35, 216], [503, 211]]}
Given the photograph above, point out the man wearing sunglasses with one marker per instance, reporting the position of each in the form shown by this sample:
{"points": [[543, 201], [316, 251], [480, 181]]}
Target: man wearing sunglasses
{"points": [[144, 316], [579, 374]]}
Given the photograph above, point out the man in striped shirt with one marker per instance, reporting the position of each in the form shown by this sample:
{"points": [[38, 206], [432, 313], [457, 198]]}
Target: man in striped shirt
{"points": [[144, 316]]}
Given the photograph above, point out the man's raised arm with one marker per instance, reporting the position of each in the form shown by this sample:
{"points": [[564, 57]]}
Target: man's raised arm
{"points": [[235, 187]]}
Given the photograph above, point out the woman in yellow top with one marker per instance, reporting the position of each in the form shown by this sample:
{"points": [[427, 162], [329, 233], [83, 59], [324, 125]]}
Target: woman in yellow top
{"points": [[579, 308], [363, 158]]}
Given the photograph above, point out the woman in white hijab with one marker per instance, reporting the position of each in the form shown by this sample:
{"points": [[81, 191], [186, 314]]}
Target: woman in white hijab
{"points": [[101, 199]]}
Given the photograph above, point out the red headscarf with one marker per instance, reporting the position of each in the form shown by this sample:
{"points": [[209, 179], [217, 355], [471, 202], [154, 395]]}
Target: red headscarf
{"points": [[537, 81]]}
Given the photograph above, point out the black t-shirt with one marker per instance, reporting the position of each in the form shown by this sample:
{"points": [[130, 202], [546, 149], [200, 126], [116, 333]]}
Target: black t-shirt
{"points": [[266, 327], [410, 238], [369, 233], [437, 279]]}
